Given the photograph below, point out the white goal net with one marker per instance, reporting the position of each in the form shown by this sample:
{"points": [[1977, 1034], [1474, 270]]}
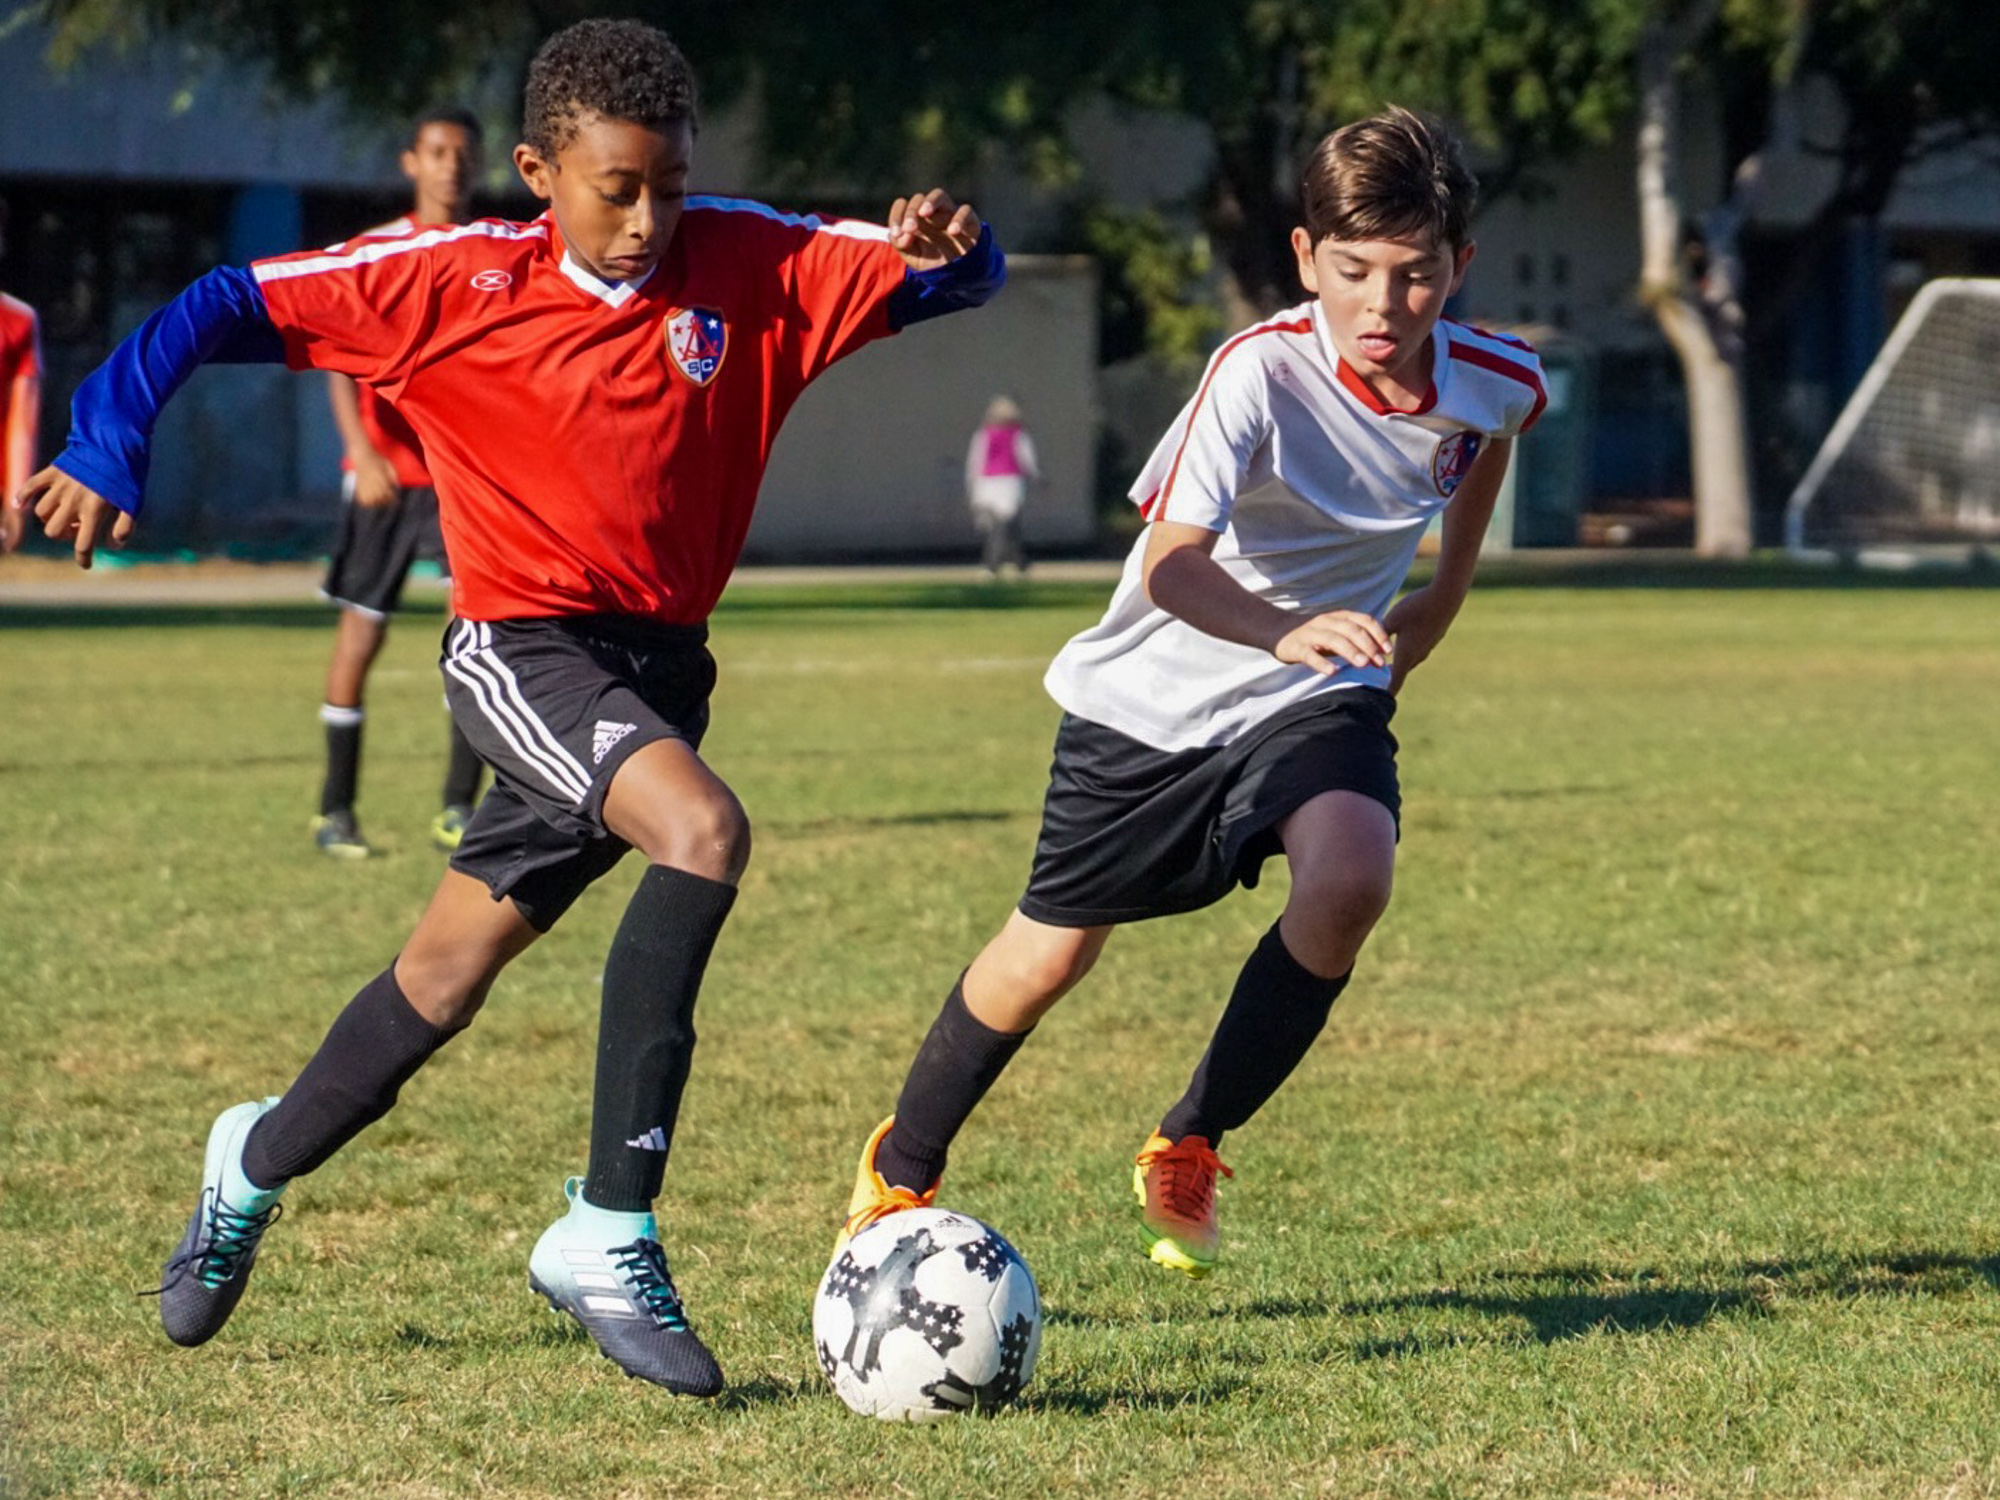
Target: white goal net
{"points": [[1913, 464]]}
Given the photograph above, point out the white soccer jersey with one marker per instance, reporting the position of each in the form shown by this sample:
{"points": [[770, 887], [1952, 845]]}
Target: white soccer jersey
{"points": [[1321, 494]]}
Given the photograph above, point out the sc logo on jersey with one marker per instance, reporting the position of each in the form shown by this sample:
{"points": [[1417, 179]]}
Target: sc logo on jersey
{"points": [[696, 339], [1453, 460]]}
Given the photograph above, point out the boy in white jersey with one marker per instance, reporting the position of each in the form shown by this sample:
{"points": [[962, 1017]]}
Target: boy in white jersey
{"points": [[1235, 699]]}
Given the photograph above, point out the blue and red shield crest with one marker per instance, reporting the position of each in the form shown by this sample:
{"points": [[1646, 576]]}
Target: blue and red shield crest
{"points": [[696, 339], [1453, 460]]}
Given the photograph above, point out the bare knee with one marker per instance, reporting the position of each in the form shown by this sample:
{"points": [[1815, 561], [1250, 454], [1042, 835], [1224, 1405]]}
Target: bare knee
{"points": [[1330, 915], [707, 836], [1026, 969], [446, 989]]}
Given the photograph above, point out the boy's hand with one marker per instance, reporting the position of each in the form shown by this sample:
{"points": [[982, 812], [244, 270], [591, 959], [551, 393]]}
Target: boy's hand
{"points": [[1418, 621], [929, 230], [374, 479], [69, 509], [1325, 641]]}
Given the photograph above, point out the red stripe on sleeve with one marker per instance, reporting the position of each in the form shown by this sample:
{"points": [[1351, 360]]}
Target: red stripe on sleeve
{"points": [[1302, 325], [1499, 364]]}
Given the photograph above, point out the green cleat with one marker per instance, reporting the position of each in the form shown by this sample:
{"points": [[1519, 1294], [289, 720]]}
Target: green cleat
{"points": [[448, 827], [338, 836]]}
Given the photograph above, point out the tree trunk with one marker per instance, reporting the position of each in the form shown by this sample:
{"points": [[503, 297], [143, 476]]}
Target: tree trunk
{"points": [[1701, 334]]}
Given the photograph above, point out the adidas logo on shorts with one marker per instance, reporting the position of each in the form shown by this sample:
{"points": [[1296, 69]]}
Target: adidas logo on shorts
{"points": [[607, 735]]}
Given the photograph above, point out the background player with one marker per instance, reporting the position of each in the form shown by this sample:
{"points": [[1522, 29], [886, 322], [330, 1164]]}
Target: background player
{"points": [[1235, 699], [597, 393], [389, 518], [20, 400]]}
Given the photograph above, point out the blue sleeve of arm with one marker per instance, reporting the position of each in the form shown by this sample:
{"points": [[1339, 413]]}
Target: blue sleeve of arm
{"points": [[220, 319], [969, 281]]}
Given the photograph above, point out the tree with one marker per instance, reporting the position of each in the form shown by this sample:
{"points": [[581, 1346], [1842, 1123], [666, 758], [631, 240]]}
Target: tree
{"points": [[866, 91]]}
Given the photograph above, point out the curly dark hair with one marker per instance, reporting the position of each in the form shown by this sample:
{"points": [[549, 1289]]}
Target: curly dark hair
{"points": [[1394, 174], [620, 70]]}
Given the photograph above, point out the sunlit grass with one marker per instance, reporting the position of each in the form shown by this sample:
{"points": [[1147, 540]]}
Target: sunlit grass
{"points": [[1651, 1153]]}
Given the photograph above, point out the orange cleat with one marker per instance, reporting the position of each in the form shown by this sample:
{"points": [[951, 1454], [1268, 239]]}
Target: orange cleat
{"points": [[873, 1198], [1175, 1183]]}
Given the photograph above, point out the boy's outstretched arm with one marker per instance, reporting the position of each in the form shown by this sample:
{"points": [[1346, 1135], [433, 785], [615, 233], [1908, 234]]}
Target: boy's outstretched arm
{"points": [[94, 489], [1420, 618], [951, 258]]}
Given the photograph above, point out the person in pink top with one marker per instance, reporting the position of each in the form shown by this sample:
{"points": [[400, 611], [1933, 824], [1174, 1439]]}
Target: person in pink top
{"points": [[999, 467]]}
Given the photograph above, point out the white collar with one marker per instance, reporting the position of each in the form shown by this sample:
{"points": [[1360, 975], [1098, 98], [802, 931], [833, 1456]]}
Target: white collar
{"points": [[611, 293]]}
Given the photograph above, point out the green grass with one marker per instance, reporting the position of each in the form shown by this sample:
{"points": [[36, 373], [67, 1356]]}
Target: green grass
{"points": [[1652, 1152]]}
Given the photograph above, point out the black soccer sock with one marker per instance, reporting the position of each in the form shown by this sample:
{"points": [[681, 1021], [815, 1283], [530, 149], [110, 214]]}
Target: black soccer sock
{"points": [[343, 757], [462, 771], [370, 1052], [956, 1065], [645, 1032], [1276, 1010]]}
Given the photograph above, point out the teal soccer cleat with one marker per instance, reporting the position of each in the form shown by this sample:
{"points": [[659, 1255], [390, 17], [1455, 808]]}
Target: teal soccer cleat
{"points": [[204, 1278], [608, 1272]]}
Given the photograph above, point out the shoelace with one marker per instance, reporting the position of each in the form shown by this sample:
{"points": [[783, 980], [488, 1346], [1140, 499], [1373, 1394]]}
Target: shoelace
{"points": [[232, 1238], [1187, 1177], [644, 1264]]}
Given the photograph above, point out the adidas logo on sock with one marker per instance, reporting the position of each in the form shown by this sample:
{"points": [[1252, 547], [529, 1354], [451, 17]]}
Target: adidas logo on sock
{"points": [[607, 735], [654, 1139]]}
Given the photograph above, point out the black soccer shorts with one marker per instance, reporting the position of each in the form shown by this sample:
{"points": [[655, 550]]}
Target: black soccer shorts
{"points": [[376, 547], [555, 707], [1130, 832]]}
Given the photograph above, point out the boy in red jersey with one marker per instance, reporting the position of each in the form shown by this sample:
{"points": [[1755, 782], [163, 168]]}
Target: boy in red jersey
{"points": [[597, 393], [389, 519], [1235, 700]]}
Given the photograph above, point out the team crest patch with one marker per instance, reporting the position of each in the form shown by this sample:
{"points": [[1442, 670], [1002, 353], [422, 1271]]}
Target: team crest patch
{"points": [[696, 341], [1453, 460]]}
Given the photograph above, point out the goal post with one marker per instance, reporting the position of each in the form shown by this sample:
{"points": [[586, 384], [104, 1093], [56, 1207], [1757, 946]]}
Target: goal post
{"points": [[1913, 463]]}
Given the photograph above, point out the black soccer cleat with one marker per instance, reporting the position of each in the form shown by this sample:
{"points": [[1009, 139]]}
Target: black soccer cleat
{"points": [[625, 1299], [204, 1278]]}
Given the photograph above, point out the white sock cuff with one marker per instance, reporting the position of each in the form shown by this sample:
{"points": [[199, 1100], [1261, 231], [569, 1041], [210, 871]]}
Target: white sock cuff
{"points": [[335, 717]]}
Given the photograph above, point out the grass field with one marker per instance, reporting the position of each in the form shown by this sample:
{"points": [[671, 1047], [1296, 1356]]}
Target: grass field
{"points": [[1652, 1153]]}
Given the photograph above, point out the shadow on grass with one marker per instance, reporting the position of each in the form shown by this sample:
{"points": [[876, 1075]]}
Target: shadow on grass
{"points": [[1575, 1301], [797, 827], [1091, 1401], [305, 614]]}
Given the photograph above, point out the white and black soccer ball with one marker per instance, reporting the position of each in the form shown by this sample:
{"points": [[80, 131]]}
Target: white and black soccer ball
{"points": [[925, 1314]]}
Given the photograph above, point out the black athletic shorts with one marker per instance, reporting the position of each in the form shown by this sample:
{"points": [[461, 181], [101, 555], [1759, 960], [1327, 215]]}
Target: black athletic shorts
{"points": [[555, 707], [1130, 832], [376, 547]]}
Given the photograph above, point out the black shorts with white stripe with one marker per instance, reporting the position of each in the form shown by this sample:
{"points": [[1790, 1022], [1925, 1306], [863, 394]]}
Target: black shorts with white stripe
{"points": [[1130, 832], [555, 707], [376, 547]]}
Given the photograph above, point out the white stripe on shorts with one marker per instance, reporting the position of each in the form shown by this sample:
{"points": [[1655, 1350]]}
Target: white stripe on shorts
{"points": [[474, 663]]}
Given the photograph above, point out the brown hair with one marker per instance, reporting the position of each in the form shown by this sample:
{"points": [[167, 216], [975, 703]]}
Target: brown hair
{"points": [[1395, 175]]}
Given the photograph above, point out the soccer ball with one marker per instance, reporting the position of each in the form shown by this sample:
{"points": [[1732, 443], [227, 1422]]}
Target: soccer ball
{"points": [[925, 1314]]}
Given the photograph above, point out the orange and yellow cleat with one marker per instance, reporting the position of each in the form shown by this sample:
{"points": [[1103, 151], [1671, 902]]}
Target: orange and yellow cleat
{"points": [[874, 1199], [1175, 1183]]}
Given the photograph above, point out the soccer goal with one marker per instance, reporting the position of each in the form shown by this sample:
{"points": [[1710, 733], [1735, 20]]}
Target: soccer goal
{"points": [[1913, 465]]}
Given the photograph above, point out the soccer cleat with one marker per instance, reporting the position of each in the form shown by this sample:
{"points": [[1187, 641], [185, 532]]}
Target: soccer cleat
{"points": [[338, 836], [204, 1278], [1175, 1183], [873, 1199], [608, 1272], [448, 827]]}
